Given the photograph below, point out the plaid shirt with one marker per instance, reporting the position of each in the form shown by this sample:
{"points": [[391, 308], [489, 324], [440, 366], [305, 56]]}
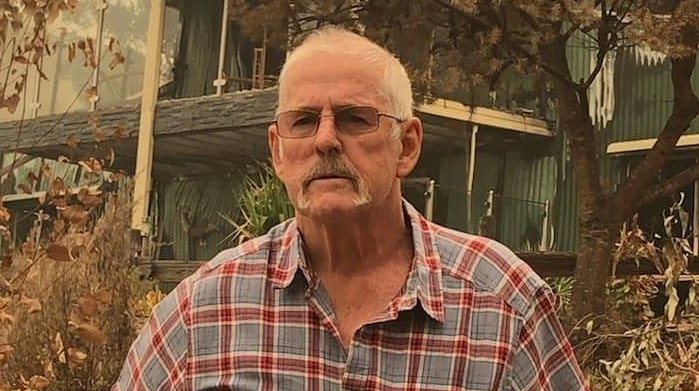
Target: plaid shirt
{"points": [[472, 316]]}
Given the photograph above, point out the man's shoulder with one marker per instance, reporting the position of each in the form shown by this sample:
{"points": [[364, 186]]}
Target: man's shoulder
{"points": [[249, 259], [487, 266]]}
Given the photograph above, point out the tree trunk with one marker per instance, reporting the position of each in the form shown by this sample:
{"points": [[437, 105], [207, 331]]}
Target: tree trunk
{"points": [[594, 241]]}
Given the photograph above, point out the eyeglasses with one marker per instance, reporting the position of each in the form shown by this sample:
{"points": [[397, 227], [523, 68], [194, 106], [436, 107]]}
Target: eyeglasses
{"points": [[352, 120]]}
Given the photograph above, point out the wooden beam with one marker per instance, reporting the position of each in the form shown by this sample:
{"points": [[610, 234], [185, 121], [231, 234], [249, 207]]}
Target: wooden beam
{"points": [[140, 220]]}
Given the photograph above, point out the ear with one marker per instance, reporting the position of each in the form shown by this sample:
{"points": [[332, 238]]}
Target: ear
{"points": [[411, 143], [274, 143]]}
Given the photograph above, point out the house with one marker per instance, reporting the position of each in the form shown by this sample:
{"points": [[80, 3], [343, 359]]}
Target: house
{"points": [[188, 112]]}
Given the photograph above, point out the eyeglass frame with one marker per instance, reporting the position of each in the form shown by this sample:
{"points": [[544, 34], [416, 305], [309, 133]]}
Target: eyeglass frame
{"points": [[379, 114]]}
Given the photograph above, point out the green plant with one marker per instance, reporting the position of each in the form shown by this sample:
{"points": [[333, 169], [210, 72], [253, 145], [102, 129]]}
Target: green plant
{"points": [[263, 202]]}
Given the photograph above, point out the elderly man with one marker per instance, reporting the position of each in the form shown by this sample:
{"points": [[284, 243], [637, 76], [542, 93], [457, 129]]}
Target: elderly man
{"points": [[359, 291]]}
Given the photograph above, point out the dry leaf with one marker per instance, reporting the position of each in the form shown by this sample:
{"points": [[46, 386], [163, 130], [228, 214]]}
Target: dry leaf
{"points": [[103, 295], [21, 60], [6, 261], [28, 248], [93, 121], [75, 214], [91, 333], [5, 351], [90, 92], [76, 357], [71, 52], [33, 178], [119, 132], [63, 159], [117, 59], [99, 134], [5, 214], [38, 382], [72, 141], [58, 187], [48, 369], [33, 305], [5, 317], [88, 306], [59, 253], [11, 103], [57, 348], [76, 317], [26, 189], [42, 74], [88, 199]]}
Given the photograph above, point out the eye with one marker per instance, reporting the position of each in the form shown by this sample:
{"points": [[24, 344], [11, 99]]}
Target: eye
{"points": [[304, 119], [357, 116]]}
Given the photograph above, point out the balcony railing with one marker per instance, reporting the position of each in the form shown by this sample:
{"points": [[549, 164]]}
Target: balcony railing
{"points": [[521, 224]]}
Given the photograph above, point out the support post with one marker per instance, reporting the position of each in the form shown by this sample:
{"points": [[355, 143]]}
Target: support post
{"points": [[101, 8], [144, 156], [471, 169], [221, 80], [544, 245], [429, 200]]}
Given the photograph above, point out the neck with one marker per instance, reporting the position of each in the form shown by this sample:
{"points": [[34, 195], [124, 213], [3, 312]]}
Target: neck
{"points": [[353, 244]]}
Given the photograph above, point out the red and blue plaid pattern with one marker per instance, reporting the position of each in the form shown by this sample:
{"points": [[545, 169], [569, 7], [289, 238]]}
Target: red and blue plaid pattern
{"points": [[472, 316]]}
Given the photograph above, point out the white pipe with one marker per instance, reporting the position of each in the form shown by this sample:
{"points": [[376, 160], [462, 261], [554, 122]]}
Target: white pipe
{"points": [[471, 173], [429, 200], [221, 81], [101, 8]]}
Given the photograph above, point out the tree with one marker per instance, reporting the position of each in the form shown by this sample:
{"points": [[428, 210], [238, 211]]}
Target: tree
{"points": [[470, 42]]}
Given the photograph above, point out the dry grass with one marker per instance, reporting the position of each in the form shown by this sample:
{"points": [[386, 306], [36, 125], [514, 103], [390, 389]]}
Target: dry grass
{"points": [[72, 299]]}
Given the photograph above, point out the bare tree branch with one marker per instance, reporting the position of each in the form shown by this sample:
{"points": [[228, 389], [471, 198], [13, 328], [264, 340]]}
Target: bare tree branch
{"points": [[671, 185], [685, 107], [514, 46]]}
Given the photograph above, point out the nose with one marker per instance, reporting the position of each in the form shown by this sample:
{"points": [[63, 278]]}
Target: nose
{"points": [[326, 139]]}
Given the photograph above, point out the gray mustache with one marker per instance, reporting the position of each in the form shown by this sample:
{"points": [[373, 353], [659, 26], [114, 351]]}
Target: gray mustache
{"points": [[329, 167]]}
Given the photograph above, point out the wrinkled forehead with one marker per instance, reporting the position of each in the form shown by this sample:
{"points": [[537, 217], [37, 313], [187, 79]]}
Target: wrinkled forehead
{"points": [[319, 78]]}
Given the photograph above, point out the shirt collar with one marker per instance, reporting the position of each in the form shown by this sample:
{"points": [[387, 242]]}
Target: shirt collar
{"points": [[424, 281]]}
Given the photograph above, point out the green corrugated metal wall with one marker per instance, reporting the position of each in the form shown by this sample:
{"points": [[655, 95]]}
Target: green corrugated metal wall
{"points": [[529, 183], [643, 102], [643, 97], [205, 199]]}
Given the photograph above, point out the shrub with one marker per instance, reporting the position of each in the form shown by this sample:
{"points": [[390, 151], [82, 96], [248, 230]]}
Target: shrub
{"points": [[72, 298]]}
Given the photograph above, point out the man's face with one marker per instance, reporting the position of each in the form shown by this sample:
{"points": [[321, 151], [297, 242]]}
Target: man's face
{"points": [[332, 173]]}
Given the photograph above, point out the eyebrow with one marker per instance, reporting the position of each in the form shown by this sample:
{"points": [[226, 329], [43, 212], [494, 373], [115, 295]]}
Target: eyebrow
{"points": [[316, 109]]}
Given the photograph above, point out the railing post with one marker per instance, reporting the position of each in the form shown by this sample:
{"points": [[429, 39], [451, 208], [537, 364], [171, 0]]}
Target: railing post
{"points": [[221, 80], [544, 245], [471, 168], [490, 203], [94, 97], [429, 200]]}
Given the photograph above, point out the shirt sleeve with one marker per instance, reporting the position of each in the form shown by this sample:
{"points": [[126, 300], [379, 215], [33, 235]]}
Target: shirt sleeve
{"points": [[544, 359], [157, 360]]}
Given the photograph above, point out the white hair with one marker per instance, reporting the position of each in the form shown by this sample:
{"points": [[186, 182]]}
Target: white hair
{"points": [[394, 83]]}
